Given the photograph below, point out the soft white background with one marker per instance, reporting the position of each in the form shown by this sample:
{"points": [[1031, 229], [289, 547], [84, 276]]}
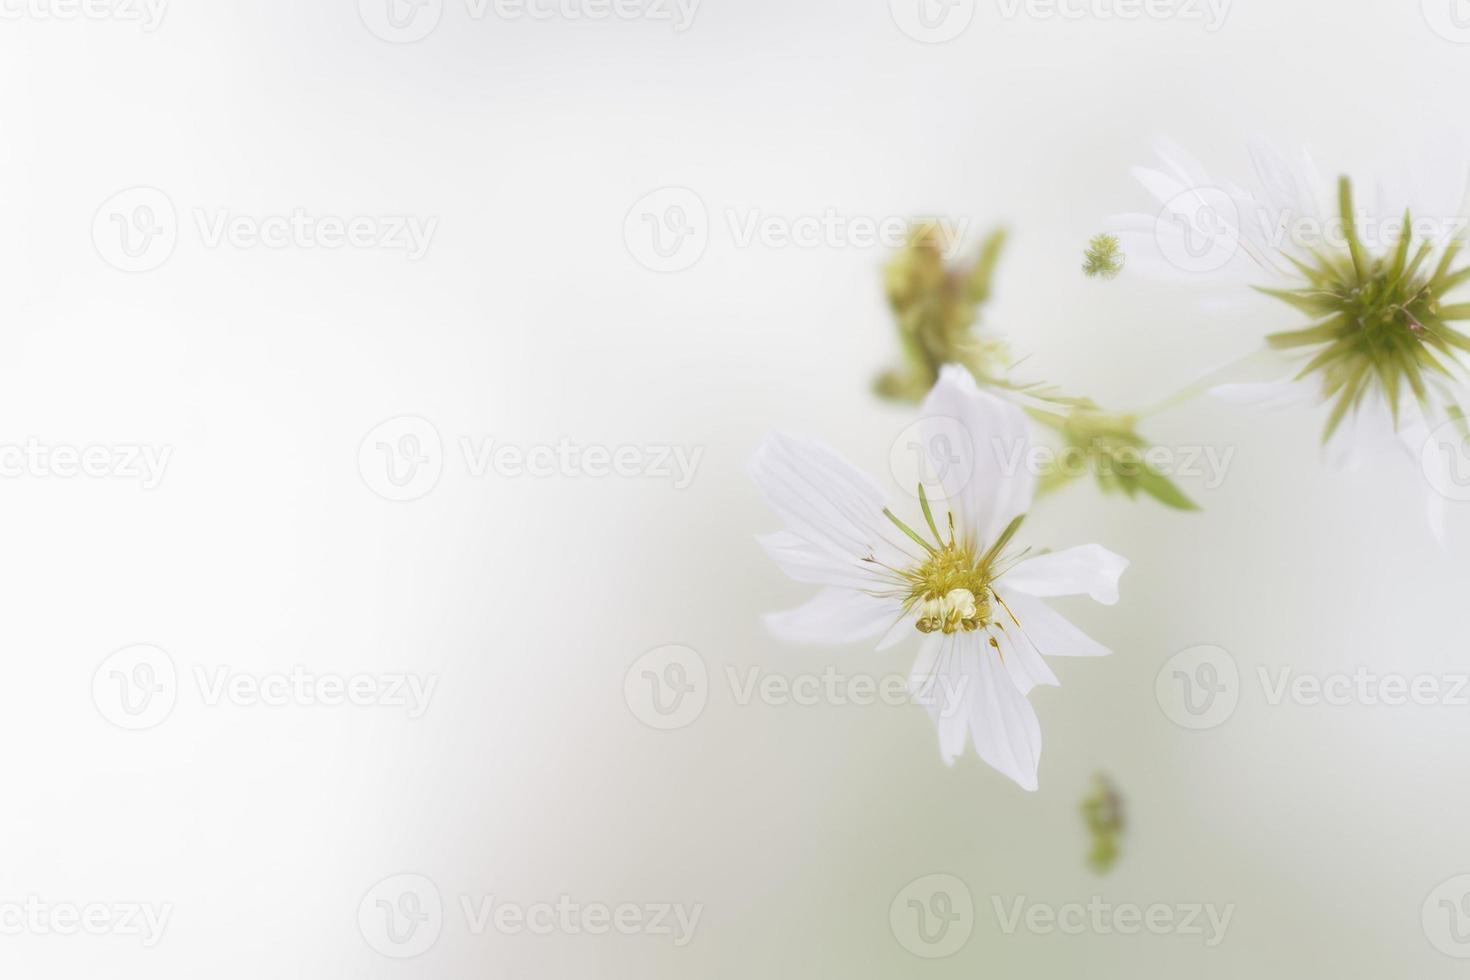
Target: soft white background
{"points": [[529, 321]]}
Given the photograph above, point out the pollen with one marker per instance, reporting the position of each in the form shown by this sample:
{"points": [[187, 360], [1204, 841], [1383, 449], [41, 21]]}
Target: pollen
{"points": [[950, 587], [956, 610]]}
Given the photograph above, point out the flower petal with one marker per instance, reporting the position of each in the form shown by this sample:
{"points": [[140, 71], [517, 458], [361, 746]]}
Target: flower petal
{"points": [[902, 630], [1089, 569], [1003, 724], [805, 562], [939, 683], [834, 616], [1021, 658], [1049, 631], [999, 482], [826, 503], [961, 681]]}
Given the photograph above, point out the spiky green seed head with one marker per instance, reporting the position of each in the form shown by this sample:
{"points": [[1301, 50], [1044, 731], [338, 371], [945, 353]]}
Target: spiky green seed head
{"points": [[1380, 323]]}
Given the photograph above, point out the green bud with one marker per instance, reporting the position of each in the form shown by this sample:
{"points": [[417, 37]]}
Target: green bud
{"points": [[1104, 257]]}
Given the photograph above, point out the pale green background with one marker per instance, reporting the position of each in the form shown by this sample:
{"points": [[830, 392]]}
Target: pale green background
{"points": [[529, 321]]}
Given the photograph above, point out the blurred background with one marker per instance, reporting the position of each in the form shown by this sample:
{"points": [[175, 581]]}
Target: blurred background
{"points": [[353, 275]]}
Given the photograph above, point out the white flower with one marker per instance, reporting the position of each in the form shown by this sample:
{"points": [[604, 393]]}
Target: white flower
{"points": [[978, 610], [1379, 344]]}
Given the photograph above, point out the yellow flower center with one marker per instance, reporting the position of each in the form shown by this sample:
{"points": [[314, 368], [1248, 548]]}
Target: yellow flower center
{"points": [[950, 588], [951, 591]]}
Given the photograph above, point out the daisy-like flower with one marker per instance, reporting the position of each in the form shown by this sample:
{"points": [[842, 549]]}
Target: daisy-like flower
{"points": [[1380, 347], [955, 583]]}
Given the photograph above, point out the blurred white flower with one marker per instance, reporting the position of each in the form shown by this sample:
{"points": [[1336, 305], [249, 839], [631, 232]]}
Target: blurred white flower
{"points": [[977, 607], [1379, 346]]}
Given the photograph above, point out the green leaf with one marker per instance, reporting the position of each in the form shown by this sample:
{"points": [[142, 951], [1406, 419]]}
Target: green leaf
{"points": [[1164, 490]]}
